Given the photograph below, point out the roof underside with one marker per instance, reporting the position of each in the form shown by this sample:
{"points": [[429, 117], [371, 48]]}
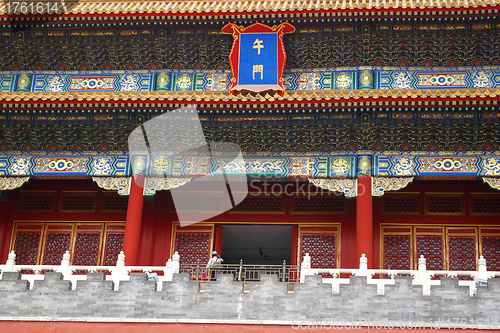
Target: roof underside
{"points": [[425, 131], [114, 48]]}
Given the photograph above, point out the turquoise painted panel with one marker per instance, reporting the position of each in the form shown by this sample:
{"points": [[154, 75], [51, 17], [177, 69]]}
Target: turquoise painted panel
{"points": [[7, 83]]}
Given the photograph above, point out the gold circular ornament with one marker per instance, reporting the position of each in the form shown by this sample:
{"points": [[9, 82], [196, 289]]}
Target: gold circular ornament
{"points": [[340, 166], [163, 80], [343, 81], [447, 164], [139, 165], [184, 82], [23, 81], [442, 80], [366, 78], [160, 165], [364, 165]]}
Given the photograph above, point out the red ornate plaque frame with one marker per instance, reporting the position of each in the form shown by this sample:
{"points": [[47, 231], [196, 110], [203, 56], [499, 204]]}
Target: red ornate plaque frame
{"points": [[235, 31]]}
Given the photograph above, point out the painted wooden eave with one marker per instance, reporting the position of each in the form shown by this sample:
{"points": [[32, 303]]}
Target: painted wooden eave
{"points": [[220, 97]]}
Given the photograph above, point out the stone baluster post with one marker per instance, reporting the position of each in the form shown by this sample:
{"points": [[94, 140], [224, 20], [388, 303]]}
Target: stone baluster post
{"points": [[11, 262], [168, 271], [176, 262], [305, 267], [482, 272], [423, 278], [66, 272], [119, 273], [363, 265]]}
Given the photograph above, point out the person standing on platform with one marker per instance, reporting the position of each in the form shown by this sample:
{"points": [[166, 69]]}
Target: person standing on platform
{"points": [[213, 263]]}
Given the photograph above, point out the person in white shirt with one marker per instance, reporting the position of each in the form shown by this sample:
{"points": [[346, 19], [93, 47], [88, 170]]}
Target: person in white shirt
{"points": [[214, 261]]}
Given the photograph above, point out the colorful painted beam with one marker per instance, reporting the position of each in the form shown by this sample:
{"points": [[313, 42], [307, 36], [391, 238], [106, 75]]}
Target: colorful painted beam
{"points": [[341, 164], [349, 78]]}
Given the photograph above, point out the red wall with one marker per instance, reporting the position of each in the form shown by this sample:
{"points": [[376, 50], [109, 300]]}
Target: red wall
{"points": [[9, 210], [451, 186], [157, 220], [156, 231], [347, 221], [70, 327]]}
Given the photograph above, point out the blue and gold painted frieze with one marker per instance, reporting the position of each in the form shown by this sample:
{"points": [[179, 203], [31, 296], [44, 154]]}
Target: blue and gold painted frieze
{"points": [[437, 164], [438, 78], [157, 164], [308, 165], [64, 164], [348, 78], [128, 81], [253, 166]]}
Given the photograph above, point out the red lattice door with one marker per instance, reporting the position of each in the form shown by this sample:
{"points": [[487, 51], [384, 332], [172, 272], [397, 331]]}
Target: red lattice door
{"points": [[89, 244], [27, 242], [57, 240], [113, 244], [194, 243], [88, 241], [490, 247], [462, 248], [429, 242], [322, 244], [397, 247]]}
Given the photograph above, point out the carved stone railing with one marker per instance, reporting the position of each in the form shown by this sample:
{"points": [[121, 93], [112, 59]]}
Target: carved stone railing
{"points": [[285, 273], [421, 277], [74, 273]]}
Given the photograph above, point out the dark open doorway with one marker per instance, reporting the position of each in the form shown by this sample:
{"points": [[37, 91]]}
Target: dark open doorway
{"points": [[257, 244]]}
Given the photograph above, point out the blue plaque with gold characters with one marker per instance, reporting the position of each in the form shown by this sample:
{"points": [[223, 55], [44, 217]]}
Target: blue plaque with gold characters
{"points": [[257, 57]]}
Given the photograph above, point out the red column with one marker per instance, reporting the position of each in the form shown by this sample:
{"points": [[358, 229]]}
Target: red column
{"points": [[132, 235], [364, 220], [4, 207], [218, 239]]}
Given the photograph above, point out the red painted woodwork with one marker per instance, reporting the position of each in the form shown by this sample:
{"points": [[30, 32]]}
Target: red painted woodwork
{"points": [[397, 250], [156, 231], [321, 243], [55, 244], [491, 251], [218, 239], [364, 220], [462, 253], [12, 211], [114, 245], [4, 236], [295, 237], [87, 248], [431, 247], [132, 235], [431, 230], [321, 248], [193, 246], [26, 247], [147, 238]]}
